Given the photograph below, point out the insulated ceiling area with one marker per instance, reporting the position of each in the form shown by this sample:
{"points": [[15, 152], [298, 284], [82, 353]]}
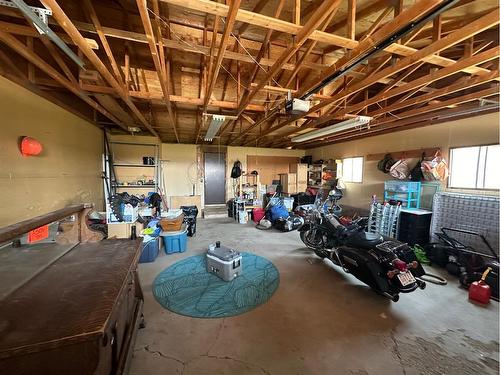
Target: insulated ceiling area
{"points": [[163, 67]]}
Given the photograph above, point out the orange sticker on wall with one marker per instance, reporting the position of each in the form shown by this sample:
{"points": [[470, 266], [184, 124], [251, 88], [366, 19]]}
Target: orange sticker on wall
{"points": [[38, 234]]}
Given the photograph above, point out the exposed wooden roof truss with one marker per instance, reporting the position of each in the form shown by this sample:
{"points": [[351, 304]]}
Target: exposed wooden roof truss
{"points": [[163, 65]]}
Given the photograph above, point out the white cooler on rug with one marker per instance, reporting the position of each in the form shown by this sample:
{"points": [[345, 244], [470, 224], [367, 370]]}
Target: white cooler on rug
{"points": [[224, 262]]}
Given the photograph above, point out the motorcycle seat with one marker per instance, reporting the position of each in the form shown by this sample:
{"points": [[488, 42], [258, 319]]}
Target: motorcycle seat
{"points": [[364, 240]]}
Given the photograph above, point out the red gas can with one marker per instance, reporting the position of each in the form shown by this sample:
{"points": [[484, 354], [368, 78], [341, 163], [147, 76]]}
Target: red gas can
{"points": [[258, 214], [479, 291]]}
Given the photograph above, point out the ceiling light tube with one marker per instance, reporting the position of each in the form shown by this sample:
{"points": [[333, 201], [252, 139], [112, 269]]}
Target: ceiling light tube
{"points": [[344, 125], [215, 125]]}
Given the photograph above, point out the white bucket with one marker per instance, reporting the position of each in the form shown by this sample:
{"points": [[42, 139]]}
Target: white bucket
{"points": [[243, 217]]}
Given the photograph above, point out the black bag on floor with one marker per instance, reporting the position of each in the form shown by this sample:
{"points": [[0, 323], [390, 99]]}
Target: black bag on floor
{"points": [[291, 223], [438, 253], [283, 224]]}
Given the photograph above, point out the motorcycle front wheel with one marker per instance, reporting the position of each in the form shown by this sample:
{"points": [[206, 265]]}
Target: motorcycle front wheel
{"points": [[314, 241]]}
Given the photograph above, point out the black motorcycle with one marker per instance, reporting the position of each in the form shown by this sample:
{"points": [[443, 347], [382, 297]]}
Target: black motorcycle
{"points": [[385, 264]]}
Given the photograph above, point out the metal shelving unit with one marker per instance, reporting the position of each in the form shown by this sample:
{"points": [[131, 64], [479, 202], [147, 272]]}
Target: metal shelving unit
{"points": [[112, 183]]}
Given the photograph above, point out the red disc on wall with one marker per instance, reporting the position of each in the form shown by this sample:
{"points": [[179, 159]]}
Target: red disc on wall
{"points": [[30, 146]]}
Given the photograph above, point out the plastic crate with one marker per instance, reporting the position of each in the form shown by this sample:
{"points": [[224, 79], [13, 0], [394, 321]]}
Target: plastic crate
{"points": [[150, 249], [408, 192], [174, 242]]}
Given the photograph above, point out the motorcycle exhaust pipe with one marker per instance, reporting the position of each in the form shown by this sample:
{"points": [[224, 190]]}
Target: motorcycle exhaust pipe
{"points": [[392, 297], [421, 284]]}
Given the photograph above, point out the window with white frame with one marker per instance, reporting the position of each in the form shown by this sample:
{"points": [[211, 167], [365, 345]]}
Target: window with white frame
{"points": [[351, 169], [474, 167]]}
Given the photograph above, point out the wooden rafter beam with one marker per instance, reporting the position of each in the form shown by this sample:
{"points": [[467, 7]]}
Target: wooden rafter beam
{"points": [[265, 43], [224, 88], [159, 66], [56, 55], [411, 87], [259, 57], [375, 25], [485, 22], [468, 83], [267, 22], [361, 13], [89, 8], [296, 12], [303, 57], [80, 41], [351, 19], [257, 9], [369, 43], [213, 44], [419, 82], [229, 24], [365, 45], [36, 60], [198, 49], [312, 24], [316, 19]]}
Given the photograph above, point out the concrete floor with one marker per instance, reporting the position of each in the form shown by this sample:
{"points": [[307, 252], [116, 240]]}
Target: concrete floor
{"points": [[319, 321]]}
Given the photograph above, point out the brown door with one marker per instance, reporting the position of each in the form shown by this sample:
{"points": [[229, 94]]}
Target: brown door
{"points": [[215, 178]]}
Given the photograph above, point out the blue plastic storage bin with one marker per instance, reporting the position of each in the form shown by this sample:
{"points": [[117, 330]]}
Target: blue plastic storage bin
{"points": [[174, 242], [408, 192], [150, 250]]}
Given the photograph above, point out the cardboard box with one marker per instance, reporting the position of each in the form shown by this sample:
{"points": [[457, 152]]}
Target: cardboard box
{"points": [[289, 182]]}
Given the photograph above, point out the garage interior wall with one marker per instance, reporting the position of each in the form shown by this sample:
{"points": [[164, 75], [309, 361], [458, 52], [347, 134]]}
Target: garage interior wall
{"points": [[66, 172], [473, 131], [180, 170], [241, 153], [181, 164]]}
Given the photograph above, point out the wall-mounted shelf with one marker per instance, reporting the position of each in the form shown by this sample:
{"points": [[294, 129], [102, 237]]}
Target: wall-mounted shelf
{"points": [[409, 154]]}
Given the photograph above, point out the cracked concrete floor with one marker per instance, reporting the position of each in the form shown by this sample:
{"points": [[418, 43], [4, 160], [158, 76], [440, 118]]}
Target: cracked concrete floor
{"points": [[319, 321]]}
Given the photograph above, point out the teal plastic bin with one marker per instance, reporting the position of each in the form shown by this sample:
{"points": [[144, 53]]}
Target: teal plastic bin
{"points": [[174, 242]]}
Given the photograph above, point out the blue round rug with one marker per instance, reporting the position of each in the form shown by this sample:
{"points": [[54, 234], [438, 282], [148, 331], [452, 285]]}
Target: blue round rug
{"points": [[188, 289]]}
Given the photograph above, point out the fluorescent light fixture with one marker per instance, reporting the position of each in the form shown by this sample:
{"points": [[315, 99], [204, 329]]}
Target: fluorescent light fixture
{"points": [[344, 125], [215, 125]]}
